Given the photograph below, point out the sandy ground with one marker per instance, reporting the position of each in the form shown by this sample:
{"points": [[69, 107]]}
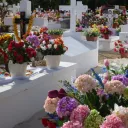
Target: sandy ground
{"points": [[35, 122]]}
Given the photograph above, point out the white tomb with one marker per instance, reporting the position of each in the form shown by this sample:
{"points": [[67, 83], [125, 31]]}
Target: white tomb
{"points": [[124, 33], [21, 99], [79, 50], [14, 8], [107, 45], [25, 6], [79, 8], [82, 52]]}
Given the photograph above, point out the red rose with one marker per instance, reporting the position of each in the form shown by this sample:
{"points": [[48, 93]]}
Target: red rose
{"points": [[115, 50], [19, 45], [51, 124], [19, 58], [15, 53], [122, 50], [45, 122], [116, 44], [121, 45]]}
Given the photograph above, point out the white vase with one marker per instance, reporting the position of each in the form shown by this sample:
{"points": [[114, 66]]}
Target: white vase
{"points": [[53, 61], [17, 70]]}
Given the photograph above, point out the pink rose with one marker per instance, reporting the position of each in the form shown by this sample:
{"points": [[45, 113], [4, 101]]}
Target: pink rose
{"points": [[106, 62]]}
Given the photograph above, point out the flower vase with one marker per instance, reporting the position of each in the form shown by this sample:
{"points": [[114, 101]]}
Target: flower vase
{"points": [[56, 36], [124, 55], [91, 38], [17, 70], [52, 61], [106, 36]]}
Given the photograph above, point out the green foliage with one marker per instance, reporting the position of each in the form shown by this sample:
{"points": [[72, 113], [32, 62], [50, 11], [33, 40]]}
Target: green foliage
{"points": [[55, 32]]}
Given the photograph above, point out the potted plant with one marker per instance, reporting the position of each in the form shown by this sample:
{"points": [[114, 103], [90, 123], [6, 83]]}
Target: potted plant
{"points": [[121, 48], [105, 32], [4, 42], [118, 30], [55, 33], [52, 51], [19, 54], [91, 34]]}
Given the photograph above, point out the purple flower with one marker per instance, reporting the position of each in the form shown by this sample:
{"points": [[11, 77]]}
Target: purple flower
{"points": [[121, 78], [34, 40], [65, 106]]}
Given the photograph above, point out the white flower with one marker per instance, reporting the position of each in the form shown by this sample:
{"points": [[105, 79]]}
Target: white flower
{"points": [[55, 46], [43, 48], [52, 41], [65, 49], [44, 42], [49, 46]]}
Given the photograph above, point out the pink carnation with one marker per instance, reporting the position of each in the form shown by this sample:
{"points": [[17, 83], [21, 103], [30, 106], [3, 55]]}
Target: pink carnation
{"points": [[80, 113], [114, 86], [85, 83], [112, 121], [50, 105], [72, 124]]}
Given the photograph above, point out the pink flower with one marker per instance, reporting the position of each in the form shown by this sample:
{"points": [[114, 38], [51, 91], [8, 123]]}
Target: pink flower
{"points": [[50, 105], [72, 124], [85, 83], [106, 62], [80, 113], [114, 86], [112, 121]]}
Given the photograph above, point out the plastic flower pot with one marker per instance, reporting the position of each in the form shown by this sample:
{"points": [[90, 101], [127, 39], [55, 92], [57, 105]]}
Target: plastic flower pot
{"points": [[56, 36], [91, 38], [106, 36], [52, 61], [17, 70]]}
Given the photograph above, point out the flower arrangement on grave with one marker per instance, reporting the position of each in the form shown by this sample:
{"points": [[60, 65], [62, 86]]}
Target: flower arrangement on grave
{"points": [[4, 42], [52, 50], [122, 48], [92, 33], [19, 55], [97, 101], [118, 30], [55, 33], [105, 31]]}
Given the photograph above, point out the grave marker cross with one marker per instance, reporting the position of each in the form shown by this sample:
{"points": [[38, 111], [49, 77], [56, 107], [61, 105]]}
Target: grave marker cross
{"points": [[23, 22]]}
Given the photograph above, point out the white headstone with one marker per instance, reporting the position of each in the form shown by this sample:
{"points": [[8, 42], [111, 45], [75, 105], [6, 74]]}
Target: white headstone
{"points": [[116, 6], [124, 33], [25, 6], [79, 8]]}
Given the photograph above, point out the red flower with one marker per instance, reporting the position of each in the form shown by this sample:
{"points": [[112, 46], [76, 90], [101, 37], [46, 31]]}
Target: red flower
{"points": [[45, 122], [116, 44], [19, 58], [121, 45], [122, 50], [51, 124], [115, 50], [15, 53], [19, 45], [31, 52]]}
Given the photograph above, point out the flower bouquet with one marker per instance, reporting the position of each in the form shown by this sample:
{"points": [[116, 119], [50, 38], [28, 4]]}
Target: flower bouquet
{"points": [[97, 101], [118, 30], [92, 34], [52, 50], [19, 54], [105, 32], [55, 33], [122, 48], [4, 42]]}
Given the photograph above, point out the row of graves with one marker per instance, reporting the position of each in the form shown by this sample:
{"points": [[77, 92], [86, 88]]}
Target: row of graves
{"points": [[24, 87], [38, 52]]}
